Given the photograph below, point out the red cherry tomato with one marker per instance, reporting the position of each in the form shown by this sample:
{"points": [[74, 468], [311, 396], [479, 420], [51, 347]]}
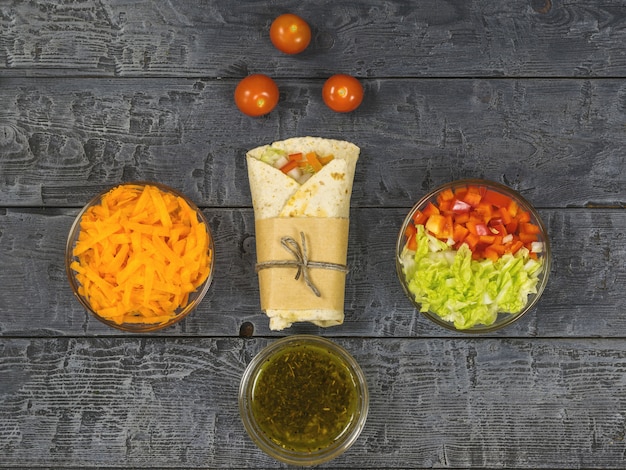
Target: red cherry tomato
{"points": [[342, 93], [290, 34], [256, 95]]}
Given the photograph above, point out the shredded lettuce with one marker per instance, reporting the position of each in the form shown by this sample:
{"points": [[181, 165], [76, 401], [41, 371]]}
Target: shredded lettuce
{"points": [[271, 155], [464, 291]]}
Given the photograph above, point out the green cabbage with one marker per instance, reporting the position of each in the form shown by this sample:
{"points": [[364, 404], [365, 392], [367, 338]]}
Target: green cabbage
{"points": [[464, 291], [271, 155]]}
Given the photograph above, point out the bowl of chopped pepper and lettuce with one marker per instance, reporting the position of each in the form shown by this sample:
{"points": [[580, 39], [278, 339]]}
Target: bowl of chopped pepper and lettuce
{"points": [[473, 256]]}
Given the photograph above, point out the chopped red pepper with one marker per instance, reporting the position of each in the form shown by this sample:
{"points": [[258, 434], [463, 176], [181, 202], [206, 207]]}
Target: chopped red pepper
{"points": [[472, 197], [419, 218], [435, 224], [290, 165], [430, 209], [459, 233], [496, 199], [523, 216], [527, 227], [488, 222], [409, 233], [472, 241], [445, 195]]}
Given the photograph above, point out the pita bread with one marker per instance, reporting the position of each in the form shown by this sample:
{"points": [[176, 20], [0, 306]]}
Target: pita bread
{"points": [[326, 195]]}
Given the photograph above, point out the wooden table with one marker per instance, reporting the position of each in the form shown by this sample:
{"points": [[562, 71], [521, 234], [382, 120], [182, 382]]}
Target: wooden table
{"points": [[530, 93]]}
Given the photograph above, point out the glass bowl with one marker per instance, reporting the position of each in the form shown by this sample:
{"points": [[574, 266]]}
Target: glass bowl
{"points": [[303, 400], [484, 258], [139, 256]]}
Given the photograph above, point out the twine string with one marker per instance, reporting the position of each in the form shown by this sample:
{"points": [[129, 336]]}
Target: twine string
{"points": [[301, 261]]}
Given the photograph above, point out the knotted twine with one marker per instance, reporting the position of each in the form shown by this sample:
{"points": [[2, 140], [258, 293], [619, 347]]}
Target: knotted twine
{"points": [[300, 261]]}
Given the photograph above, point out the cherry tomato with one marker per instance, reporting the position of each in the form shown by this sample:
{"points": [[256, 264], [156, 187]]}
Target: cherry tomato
{"points": [[256, 95], [290, 34], [342, 93]]}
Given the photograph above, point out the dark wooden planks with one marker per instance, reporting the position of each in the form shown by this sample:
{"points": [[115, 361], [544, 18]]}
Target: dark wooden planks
{"points": [[559, 142], [528, 93], [584, 297], [365, 38], [172, 402]]}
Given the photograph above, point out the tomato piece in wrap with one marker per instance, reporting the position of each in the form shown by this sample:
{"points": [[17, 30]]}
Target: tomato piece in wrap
{"points": [[302, 229]]}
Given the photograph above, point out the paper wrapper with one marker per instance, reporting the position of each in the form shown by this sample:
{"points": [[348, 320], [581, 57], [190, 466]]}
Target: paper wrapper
{"points": [[319, 209], [279, 288]]}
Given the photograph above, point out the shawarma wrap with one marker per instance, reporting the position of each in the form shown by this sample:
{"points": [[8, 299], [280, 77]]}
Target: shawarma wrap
{"points": [[301, 223]]}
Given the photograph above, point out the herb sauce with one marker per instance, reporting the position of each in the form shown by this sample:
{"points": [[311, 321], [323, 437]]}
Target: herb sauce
{"points": [[304, 398]]}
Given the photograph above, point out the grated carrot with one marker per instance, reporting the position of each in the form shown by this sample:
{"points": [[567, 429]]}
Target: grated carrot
{"points": [[139, 255]]}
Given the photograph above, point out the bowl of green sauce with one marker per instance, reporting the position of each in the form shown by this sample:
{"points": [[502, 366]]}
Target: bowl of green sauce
{"points": [[303, 400]]}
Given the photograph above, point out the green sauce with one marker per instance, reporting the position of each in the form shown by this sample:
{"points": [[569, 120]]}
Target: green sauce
{"points": [[304, 398]]}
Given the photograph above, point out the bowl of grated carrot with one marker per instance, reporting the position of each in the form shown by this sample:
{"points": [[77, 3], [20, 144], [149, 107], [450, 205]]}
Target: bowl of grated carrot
{"points": [[139, 256]]}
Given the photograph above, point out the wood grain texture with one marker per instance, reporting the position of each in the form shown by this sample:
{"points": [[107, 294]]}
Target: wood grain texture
{"points": [[364, 38], [584, 296], [530, 94], [481, 403], [559, 142]]}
